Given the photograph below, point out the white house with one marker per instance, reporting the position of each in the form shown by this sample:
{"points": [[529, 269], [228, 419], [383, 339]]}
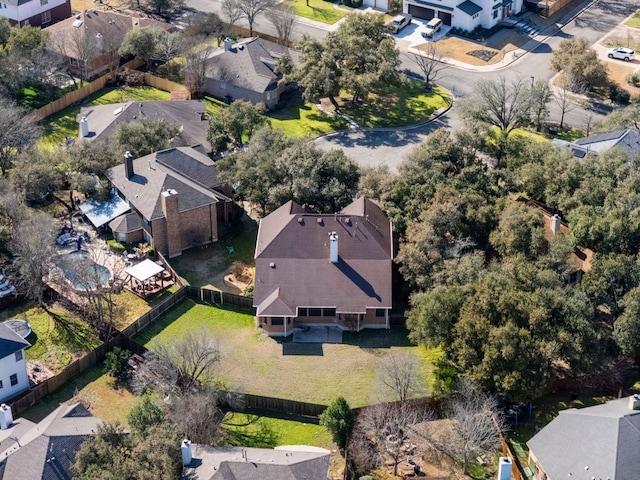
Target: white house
{"points": [[13, 366], [464, 14], [37, 13]]}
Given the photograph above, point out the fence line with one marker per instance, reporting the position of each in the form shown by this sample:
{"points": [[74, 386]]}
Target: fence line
{"points": [[246, 402], [220, 298], [155, 312], [167, 85]]}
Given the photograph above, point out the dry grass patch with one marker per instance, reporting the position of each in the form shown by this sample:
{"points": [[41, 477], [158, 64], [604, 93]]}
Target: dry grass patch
{"points": [[457, 48], [618, 74]]}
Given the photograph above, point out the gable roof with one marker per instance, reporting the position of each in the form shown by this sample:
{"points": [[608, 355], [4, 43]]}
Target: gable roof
{"points": [[249, 64], [187, 171], [47, 450], [627, 140], [293, 267], [187, 114], [469, 8], [65, 36], [604, 438], [10, 341], [127, 223], [296, 462]]}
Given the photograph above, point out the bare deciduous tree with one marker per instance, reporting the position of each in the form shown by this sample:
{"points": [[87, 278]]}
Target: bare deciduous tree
{"points": [[283, 18], [562, 97], [194, 68], [472, 425], [429, 63], [401, 375], [248, 9], [18, 129], [179, 366], [199, 417]]}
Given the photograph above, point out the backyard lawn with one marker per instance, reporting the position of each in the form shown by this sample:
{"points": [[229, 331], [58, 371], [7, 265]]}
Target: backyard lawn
{"points": [[98, 391], [634, 22], [319, 10], [63, 124], [315, 373], [58, 336]]}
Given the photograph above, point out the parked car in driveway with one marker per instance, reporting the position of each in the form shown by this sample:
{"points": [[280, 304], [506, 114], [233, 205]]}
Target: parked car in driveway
{"points": [[622, 53], [432, 27], [400, 21]]}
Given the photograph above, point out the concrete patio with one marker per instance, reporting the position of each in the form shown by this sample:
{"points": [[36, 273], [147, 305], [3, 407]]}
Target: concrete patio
{"points": [[317, 334]]}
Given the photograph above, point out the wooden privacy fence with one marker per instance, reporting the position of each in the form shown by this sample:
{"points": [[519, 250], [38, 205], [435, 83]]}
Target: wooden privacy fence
{"points": [[220, 298], [176, 89], [258, 404]]}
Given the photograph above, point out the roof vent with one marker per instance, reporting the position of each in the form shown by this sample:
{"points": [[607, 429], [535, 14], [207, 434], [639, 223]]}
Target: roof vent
{"points": [[272, 265], [347, 221], [301, 220], [634, 402], [77, 23], [320, 221]]}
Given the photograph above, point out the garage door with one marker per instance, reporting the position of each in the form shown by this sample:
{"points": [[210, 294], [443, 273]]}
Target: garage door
{"points": [[421, 12], [445, 17]]}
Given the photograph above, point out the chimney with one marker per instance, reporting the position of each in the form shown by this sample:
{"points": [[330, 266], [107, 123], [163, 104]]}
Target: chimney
{"points": [[171, 213], [228, 44], [555, 223], [6, 417], [333, 247], [128, 164], [634, 402], [99, 43], [187, 453], [84, 127], [504, 468]]}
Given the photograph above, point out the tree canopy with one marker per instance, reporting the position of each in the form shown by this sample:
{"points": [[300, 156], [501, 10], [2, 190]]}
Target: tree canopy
{"points": [[579, 62]]}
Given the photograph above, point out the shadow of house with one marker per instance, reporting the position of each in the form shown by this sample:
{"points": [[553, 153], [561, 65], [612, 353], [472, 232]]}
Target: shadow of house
{"points": [[90, 40], [101, 121], [175, 199], [323, 269], [246, 71]]}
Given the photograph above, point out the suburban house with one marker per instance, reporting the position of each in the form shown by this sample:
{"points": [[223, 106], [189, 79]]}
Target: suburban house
{"points": [[99, 123], [89, 41], [175, 200], [45, 450], [245, 71], [13, 365], [37, 13], [600, 442], [293, 462], [464, 14], [626, 140], [323, 269]]}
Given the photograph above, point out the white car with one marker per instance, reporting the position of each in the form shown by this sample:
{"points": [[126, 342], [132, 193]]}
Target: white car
{"points": [[400, 21], [621, 53]]}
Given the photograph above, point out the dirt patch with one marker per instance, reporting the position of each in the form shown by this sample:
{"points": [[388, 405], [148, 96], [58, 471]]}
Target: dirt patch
{"points": [[484, 55], [458, 49], [103, 5], [240, 276], [618, 74]]}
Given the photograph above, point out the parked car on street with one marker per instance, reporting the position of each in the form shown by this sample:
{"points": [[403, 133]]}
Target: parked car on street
{"points": [[622, 53], [400, 21]]}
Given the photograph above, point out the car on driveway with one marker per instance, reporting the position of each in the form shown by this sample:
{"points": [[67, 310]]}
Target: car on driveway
{"points": [[400, 21], [621, 53]]}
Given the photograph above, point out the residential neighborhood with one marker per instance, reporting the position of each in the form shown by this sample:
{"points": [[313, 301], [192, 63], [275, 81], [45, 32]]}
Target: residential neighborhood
{"points": [[319, 240]]}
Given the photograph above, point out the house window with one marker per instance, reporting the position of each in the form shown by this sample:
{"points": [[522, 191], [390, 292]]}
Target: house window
{"points": [[495, 14], [277, 320], [0, 383], [45, 17], [44, 2], [303, 312], [315, 312], [18, 355], [328, 312], [223, 85], [381, 312], [14, 379], [269, 95], [476, 15]]}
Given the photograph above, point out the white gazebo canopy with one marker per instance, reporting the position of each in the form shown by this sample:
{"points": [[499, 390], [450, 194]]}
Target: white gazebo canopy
{"points": [[144, 270]]}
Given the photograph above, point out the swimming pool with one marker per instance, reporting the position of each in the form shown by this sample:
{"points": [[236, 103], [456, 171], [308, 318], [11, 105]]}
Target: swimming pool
{"points": [[82, 272]]}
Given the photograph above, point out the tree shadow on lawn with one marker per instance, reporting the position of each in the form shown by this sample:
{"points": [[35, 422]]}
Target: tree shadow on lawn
{"points": [[251, 433]]}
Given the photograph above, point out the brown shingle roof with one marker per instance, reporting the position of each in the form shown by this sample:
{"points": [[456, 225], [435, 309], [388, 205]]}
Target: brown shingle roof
{"points": [[293, 266]]}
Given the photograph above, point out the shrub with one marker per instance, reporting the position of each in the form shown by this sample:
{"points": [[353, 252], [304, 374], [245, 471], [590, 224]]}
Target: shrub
{"points": [[356, 3], [337, 419], [116, 246], [116, 362], [131, 78], [619, 95]]}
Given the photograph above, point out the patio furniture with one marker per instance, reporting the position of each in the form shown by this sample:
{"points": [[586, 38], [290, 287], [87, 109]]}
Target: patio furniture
{"points": [[63, 239], [230, 249]]}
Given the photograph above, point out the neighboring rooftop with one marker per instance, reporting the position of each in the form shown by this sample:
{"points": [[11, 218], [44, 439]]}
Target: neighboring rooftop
{"points": [[626, 140], [296, 462], [10, 341]]}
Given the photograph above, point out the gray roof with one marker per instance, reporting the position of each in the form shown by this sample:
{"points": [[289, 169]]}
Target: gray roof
{"points": [[48, 449], [627, 140], [249, 64], [283, 463], [188, 114], [293, 267], [605, 438], [183, 169], [469, 8], [129, 222], [10, 341]]}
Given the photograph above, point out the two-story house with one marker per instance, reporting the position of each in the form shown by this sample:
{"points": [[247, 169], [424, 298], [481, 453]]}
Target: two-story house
{"points": [[13, 365], [464, 14], [37, 13]]}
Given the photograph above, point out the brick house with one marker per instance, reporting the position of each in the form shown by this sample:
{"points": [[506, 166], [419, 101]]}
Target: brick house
{"points": [[175, 200], [37, 13], [90, 40], [323, 269]]}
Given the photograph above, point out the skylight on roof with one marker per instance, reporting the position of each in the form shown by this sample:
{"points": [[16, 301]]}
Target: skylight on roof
{"points": [[77, 23]]}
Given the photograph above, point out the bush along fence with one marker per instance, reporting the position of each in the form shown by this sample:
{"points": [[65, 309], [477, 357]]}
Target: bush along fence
{"points": [[220, 298]]}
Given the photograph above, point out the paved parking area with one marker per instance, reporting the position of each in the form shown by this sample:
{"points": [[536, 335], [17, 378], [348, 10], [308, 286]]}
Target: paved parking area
{"points": [[411, 34], [317, 334]]}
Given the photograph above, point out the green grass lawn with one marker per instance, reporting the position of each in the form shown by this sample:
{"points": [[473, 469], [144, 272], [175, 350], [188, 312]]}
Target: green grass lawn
{"points": [[570, 135], [301, 119], [318, 10], [106, 399], [396, 106], [313, 373], [59, 336], [63, 124], [634, 22], [267, 432]]}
